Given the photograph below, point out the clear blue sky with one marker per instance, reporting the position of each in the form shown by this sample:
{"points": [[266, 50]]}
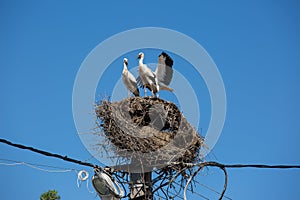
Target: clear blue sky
{"points": [[255, 44]]}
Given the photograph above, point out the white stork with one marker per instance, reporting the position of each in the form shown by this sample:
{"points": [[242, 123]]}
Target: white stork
{"points": [[158, 80], [147, 78], [129, 80], [164, 71]]}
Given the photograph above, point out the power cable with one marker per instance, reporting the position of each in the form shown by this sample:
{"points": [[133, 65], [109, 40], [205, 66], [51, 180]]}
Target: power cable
{"points": [[45, 153], [223, 167]]}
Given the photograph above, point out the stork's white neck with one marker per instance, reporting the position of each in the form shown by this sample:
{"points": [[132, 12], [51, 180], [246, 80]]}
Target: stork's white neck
{"points": [[141, 61], [125, 68]]}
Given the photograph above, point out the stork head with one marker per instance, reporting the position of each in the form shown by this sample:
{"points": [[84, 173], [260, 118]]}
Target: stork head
{"points": [[125, 60], [164, 57], [141, 55]]}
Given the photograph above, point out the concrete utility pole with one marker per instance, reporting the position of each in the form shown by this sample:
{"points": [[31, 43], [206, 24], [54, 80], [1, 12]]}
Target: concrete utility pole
{"points": [[141, 186]]}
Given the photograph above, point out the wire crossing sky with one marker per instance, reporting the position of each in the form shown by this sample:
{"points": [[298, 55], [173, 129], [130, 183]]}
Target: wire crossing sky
{"points": [[189, 165], [255, 45], [209, 163]]}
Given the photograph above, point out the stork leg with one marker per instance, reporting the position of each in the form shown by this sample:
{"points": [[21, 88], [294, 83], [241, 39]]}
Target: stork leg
{"points": [[128, 93], [154, 94], [145, 91]]}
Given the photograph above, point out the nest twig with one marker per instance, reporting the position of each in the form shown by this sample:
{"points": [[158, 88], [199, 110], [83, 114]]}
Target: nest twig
{"points": [[153, 131], [152, 127]]}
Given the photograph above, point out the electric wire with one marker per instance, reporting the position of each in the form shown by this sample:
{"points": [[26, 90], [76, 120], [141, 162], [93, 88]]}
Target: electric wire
{"points": [[45, 153], [200, 165], [8, 162]]}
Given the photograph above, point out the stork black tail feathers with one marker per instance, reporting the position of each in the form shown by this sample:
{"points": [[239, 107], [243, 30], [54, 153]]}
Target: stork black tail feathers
{"points": [[169, 61]]}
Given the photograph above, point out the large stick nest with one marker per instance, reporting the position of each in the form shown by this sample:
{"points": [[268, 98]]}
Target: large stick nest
{"points": [[153, 128]]}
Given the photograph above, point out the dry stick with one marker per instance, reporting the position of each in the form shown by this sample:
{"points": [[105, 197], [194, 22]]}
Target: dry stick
{"points": [[171, 193], [188, 182], [225, 183], [204, 164], [224, 166], [200, 195]]}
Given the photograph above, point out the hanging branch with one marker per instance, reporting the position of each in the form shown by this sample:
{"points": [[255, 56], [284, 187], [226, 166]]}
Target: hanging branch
{"points": [[223, 168], [201, 166]]}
